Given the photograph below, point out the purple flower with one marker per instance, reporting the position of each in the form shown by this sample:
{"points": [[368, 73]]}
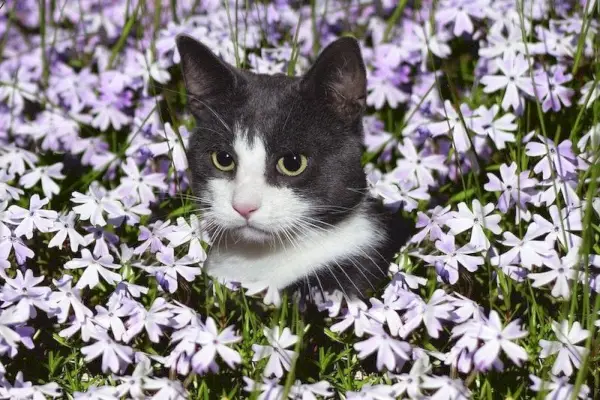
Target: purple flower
{"points": [[391, 353], [9, 317], [503, 37], [476, 220], [115, 357], [111, 319], [426, 40], [561, 226], [430, 314], [432, 226], [309, 391], [558, 388], [64, 226], [356, 314], [372, 392], [561, 273], [386, 312], [550, 90], [36, 217], [279, 357], [460, 13], [454, 125], [92, 206], [14, 159], [559, 158], [214, 342], [269, 389], [382, 91], [418, 167], [66, 298], [590, 86], [192, 233], [499, 130], [514, 78], [152, 320], [97, 393], [94, 267], [9, 241], [555, 43], [447, 388], [6, 191], [513, 187], [173, 145], [498, 338], [168, 273], [569, 354], [46, 175], [153, 238], [527, 252], [453, 257], [26, 390], [138, 185], [403, 194], [23, 292]]}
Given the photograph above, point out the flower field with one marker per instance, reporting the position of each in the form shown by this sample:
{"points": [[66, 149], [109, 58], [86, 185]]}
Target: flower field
{"points": [[483, 127]]}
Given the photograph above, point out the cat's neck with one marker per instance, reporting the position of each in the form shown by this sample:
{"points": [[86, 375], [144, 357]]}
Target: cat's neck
{"points": [[283, 263]]}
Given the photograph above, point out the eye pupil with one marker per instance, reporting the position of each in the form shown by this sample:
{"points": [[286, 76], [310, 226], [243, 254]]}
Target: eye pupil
{"points": [[292, 162], [224, 158], [223, 161]]}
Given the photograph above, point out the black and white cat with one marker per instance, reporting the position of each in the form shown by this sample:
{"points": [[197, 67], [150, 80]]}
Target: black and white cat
{"points": [[275, 164]]}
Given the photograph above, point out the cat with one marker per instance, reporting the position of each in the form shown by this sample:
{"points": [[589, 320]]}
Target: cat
{"points": [[275, 166]]}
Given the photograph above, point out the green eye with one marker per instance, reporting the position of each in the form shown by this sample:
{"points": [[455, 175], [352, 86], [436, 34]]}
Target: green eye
{"points": [[222, 160], [292, 164]]}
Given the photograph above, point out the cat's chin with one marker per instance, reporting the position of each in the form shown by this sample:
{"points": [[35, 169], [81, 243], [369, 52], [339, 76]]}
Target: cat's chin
{"points": [[251, 234]]}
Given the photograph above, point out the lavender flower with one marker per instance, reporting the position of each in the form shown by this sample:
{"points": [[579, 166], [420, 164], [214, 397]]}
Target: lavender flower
{"points": [[569, 354], [496, 338], [514, 78], [94, 267], [391, 353], [115, 356], [279, 357]]}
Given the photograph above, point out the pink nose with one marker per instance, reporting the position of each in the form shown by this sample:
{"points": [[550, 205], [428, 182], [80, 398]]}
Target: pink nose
{"points": [[245, 209]]}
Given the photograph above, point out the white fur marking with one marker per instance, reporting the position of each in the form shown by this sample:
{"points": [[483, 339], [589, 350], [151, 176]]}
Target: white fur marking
{"points": [[280, 266], [277, 207]]}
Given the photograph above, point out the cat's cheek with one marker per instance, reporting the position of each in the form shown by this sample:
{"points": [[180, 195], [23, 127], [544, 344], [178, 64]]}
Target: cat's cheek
{"points": [[220, 195], [282, 210]]}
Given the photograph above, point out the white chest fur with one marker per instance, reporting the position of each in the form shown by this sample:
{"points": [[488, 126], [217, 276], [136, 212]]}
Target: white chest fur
{"points": [[280, 265]]}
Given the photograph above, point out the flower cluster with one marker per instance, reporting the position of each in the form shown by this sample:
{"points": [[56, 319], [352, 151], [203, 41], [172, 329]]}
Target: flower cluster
{"points": [[482, 126]]}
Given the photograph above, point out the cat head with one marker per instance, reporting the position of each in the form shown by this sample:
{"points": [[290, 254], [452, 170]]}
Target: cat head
{"points": [[272, 155]]}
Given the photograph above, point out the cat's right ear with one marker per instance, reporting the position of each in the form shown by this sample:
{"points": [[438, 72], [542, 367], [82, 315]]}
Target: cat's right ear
{"points": [[209, 80]]}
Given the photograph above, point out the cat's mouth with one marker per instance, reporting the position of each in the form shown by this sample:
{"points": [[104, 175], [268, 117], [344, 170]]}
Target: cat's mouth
{"points": [[253, 233]]}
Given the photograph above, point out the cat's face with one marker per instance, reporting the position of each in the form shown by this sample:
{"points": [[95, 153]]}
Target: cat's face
{"points": [[275, 156]]}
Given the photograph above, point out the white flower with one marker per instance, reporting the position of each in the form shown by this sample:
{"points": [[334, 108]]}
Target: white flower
{"points": [[93, 268], [34, 217], [65, 226], [115, 356], [92, 206], [279, 357], [391, 353], [172, 145], [569, 354], [476, 220], [430, 314], [46, 174], [496, 337]]}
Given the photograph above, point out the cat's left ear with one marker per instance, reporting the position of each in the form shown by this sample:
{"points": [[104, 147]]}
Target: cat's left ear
{"points": [[338, 76], [210, 81]]}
